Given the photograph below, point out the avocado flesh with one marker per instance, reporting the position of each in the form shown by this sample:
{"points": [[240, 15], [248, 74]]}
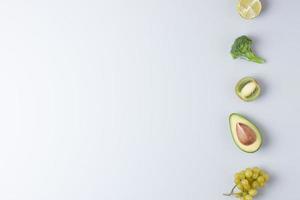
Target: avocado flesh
{"points": [[244, 133]]}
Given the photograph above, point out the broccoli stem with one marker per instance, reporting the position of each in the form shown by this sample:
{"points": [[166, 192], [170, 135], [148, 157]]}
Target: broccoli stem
{"points": [[255, 58], [258, 60]]}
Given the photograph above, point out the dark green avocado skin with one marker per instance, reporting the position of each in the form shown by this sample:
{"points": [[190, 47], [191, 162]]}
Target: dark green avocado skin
{"points": [[239, 115]]}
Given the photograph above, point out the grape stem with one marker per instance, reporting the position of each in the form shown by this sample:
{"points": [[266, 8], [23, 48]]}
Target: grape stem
{"points": [[231, 192]]}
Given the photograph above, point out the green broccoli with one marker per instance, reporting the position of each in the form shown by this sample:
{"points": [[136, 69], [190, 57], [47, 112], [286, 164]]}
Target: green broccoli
{"points": [[241, 48]]}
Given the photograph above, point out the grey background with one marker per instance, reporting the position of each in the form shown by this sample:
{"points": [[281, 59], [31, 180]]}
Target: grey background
{"points": [[129, 99]]}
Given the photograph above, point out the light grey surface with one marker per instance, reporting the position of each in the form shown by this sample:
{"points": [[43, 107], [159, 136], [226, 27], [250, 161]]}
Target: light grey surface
{"points": [[129, 99]]}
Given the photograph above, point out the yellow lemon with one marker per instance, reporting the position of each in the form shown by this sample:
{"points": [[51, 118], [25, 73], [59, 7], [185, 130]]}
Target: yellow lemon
{"points": [[249, 9]]}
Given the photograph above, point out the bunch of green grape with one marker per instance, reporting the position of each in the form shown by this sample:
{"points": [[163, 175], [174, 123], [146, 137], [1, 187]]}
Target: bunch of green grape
{"points": [[248, 182]]}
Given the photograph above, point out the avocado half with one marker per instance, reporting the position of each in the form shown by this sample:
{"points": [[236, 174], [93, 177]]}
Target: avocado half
{"points": [[244, 133]]}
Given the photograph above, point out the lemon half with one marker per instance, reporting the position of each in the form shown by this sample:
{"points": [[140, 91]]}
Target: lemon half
{"points": [[249, 9]]}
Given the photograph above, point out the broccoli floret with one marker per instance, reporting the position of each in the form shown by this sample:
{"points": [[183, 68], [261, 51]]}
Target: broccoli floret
{"points": [[241, 48]]}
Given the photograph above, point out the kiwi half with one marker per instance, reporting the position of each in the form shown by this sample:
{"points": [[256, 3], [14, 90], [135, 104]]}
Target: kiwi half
{"points": [[248, 89]]}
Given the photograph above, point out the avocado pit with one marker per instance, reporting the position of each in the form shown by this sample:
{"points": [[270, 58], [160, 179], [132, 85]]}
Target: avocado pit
{"points": [[245, 134]]}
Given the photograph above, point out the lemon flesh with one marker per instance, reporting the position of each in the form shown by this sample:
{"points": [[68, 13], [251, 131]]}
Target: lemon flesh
{"points": [[249, 9]]}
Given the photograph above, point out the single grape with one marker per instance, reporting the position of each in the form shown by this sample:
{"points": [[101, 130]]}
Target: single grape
{"points": [[256, 170], [261, 179], [266, 177], [242, 175], [255, 175], [248, 173], [248, 197], [262, 172], [247, 187], [238, 194], [262, 184], [253, 192], [237, 175], [237, 180], [245, 182], [255, 185], [240, 187]]}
